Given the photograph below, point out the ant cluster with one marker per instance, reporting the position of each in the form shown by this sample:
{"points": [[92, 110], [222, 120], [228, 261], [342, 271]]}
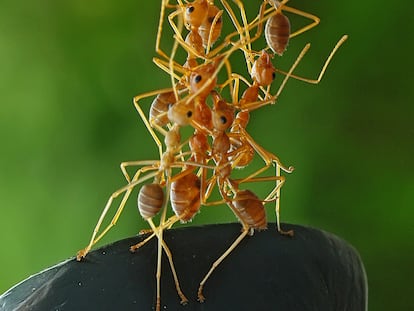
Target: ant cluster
{"points": [[189, 170]]}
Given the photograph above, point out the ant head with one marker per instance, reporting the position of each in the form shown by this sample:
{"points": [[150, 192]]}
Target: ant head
{"points": [[181, 113], [195, 13], [263, 71], [223, 114], [207, 28], [200, 76]]}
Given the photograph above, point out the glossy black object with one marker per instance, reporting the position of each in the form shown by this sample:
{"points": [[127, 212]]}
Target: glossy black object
{"points": [[314, 270]]}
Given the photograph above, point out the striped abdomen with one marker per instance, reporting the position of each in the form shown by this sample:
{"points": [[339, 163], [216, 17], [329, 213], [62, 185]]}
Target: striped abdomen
{"points": [[250, 209], [160, 106], [277, 33], [150, 200], [185, 196]]}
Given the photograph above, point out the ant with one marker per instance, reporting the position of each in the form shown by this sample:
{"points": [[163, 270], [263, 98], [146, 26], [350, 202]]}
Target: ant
{"points": [[277, 27], [202, 19], [277, 32]]}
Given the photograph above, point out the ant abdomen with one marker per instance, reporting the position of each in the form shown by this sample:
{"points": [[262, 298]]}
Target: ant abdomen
{"points": [[250, 209], [185, 196], [277, 33], [150, 200], [159, 108]]}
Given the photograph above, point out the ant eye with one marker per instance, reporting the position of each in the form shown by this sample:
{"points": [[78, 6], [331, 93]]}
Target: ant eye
{"points": [[273, 75], [223, 119], [190, 9], [198, 78], [189, 114]]}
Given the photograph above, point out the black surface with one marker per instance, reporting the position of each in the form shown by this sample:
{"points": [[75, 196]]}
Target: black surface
{"points": [[314, 270]]}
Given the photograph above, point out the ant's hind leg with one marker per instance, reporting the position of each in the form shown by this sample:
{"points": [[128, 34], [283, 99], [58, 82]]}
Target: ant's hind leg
{"points": [[127, 192], [324, 67]]}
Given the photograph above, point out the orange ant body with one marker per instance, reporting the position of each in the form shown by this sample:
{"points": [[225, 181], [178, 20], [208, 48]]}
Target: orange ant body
{"points": [[277, 33], [150, 200], [277, 27], [185, 196]]}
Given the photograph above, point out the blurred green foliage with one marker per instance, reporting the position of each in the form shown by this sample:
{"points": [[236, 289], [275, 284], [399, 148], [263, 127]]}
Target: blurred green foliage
{"points": [[68, 72]]}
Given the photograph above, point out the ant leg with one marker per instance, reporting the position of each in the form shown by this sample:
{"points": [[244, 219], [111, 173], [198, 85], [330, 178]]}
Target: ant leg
{"points": [[277, 205], [216, 18], [167, 225], [158, 232], [147, 123], [274, 195], [159, 257], [165, 4], [134, 247], [269, 159], [314, 18], [322, 72], [272, 100], [241, 30], [127, 191], [161, 245], [200, 295], [267, 156], [260, 19], [263, 16], [216, 263], [124, 166], [234, 84], [164, 65]]}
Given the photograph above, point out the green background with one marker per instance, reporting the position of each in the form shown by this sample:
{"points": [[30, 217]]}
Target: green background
{"points": [[68, 72]]}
